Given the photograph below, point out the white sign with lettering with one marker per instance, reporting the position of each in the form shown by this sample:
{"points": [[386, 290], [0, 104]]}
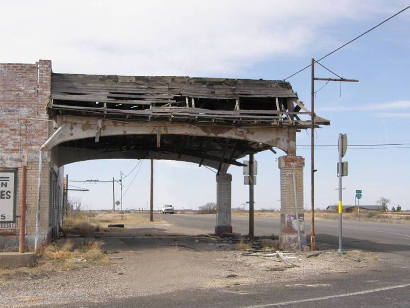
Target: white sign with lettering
{"points": [[7, 196]]}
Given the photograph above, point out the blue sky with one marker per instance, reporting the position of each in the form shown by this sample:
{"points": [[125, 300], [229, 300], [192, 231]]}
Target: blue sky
{"points": [[240, 39]]}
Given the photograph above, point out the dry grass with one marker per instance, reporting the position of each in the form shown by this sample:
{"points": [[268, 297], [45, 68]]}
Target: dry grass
{"points": [[62, 255], [364, 216], [69, 254], [103, 219], [258, 213], [85, 223], [389, 217], [243, 245], [80, 223]]}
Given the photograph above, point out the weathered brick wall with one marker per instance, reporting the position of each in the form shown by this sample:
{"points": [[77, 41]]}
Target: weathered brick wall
{"points": [[223, 203], [290, 222], [24, 93], [288, 166]]}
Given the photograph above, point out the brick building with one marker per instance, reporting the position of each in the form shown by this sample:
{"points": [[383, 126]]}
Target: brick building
{"points": [[24, 126]]}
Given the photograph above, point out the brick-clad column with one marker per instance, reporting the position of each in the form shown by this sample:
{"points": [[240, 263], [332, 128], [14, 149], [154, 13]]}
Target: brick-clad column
{"points": [[288, 166], [223, 204]]}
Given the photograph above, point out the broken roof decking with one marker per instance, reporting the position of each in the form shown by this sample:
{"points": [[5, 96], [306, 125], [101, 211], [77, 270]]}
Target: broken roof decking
{"points": [[179, 99]]}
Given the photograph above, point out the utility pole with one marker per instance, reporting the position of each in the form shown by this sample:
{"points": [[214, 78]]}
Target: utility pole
{"points": [[251, 198], [113, 195], [151, 197], [121, 188], [66, 195], [312, 161], [312, 143]]}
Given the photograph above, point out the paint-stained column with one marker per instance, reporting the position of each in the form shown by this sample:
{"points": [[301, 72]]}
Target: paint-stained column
{"points": [[223, 204], [291, 191]]}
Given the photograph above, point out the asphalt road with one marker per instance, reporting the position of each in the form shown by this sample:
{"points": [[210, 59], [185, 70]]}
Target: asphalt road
{"points": [[386, 286], [378, 237]]}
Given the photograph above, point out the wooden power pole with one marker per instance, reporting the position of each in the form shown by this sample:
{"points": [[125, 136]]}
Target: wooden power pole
{"points": [[312, 143]]}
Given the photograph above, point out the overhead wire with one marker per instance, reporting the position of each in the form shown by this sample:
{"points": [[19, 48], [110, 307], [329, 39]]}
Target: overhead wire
{"points": [[349, 42], [132, 180], [318, 90], [139, 162], [358, 145], [329, 70], [377, 146]]}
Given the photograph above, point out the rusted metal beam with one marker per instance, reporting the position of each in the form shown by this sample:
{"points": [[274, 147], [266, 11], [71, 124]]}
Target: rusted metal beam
{"points": [[23, 210]]}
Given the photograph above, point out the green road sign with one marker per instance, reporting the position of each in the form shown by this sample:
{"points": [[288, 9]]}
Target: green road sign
{"points": [[358, 194], [358, 191]]}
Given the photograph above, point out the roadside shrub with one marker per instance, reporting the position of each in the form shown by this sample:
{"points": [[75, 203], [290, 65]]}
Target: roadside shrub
{"points": [[79, 223], [209, 208]]}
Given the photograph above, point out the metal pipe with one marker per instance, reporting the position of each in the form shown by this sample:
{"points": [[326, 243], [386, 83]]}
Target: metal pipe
{"points": [[251, 198], [296, 209], [40, 167], [340, 208], [23, 210]]}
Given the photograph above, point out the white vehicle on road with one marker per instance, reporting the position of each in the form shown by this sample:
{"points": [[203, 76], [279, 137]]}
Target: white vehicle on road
{"points": [[167, 209]]}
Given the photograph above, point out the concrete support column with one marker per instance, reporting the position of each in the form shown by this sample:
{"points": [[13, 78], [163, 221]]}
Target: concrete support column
{"points": [[223, 204], [291, 167]]}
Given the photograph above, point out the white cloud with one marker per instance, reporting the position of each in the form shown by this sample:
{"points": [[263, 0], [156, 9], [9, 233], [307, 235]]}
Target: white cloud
{"points": [[169, 37], [404, 115], [396, 105]]}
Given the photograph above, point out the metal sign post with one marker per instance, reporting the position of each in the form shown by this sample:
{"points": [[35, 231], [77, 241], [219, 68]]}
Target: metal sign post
{"points": [[341, 171], [358, 195]]}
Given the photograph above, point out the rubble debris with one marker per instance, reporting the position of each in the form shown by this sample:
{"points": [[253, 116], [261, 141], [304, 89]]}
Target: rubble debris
{"points": [[116, 226], [231, 276], [313, 254]]}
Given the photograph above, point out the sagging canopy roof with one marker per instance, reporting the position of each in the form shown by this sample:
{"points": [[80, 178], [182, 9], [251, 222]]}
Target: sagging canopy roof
{"points": [[180, 99]]}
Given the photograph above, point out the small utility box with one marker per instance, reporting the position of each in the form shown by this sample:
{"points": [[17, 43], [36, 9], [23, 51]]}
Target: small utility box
{"points": [[344, 168]]}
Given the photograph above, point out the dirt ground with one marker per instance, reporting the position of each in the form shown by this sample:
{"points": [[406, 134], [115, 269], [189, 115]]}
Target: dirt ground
{"points": [[147, 258]]}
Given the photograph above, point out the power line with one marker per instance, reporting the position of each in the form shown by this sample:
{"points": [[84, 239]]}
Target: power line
{"points": [[318, 90], [129, 185], [92, 181], [349, 42], [139, 162], [329, 70], [78, 187], [357, 145]]}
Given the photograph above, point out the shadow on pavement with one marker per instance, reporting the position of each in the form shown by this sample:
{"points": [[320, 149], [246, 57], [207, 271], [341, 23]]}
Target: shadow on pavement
{"points": [[137, 239], [325, 241]]}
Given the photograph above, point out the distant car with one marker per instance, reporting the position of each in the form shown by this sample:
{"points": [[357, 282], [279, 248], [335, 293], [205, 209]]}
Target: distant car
{"points": [[167, 209]]}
